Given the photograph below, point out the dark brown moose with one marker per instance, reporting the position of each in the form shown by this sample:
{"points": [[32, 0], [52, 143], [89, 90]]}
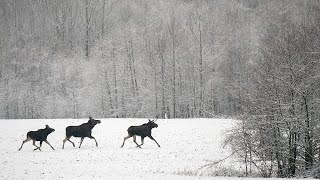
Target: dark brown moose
{"points": [[143, 131], [82, 131], [39, 135]]}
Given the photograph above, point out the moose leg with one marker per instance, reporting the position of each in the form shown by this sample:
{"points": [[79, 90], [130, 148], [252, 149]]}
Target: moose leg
{"points": [[67, 139], [142, 141], [36, 146], [91, 137], [125, 138], [28, 139], [72, 143], [64, 141], [48, 144], [34, 143], [81, 141], [154, 140], [134, 140]]}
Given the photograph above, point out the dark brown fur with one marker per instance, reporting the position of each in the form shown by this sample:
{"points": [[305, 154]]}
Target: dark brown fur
{"points": [[143, 131], [39, 135], [82, 131]]}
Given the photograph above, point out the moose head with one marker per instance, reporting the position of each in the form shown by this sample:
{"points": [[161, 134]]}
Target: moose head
{"points": [[152, 124]]}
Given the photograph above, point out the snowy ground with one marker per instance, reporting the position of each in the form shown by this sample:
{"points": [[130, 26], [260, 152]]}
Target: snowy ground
{"points": [[186, 144]]}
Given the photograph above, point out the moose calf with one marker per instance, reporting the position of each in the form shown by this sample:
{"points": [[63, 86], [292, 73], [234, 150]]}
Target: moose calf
{"points": [[39, 135], [143, 130], [82, 131]]}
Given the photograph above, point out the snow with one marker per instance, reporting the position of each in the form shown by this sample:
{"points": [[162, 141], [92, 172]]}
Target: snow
{"points": [[186, 145]]}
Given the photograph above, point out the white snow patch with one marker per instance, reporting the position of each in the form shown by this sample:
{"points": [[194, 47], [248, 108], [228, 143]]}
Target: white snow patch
{"points": [[186, 144]]}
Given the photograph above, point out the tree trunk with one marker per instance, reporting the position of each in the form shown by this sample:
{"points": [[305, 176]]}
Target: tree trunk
{"points": [[114, 69], [308, 138], [87, 25], [201, 71], [102, 19], [161, 51], [109, 96]]}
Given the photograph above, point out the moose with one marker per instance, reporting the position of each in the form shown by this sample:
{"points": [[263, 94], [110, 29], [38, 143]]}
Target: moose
{"points": [[143, 131], [82, 131], [39, 135]]}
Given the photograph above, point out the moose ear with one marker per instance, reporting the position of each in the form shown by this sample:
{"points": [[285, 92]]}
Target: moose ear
{"points": [[149, 119], [47, 126], [90, 118]]}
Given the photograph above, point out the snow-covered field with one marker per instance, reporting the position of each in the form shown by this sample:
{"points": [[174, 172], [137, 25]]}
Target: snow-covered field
{"points": [[186, 145]]}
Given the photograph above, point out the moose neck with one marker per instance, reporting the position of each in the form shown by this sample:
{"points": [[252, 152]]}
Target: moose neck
{"points": [[90, 125], [149, 126], [47, 131]]}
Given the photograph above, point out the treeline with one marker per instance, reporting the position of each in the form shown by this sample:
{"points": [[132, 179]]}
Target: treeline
{"points": [[279, 134], [109, 58]]}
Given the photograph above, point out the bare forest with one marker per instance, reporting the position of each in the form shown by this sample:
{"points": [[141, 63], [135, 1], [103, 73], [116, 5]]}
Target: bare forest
{"points": [[257, 61]]}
